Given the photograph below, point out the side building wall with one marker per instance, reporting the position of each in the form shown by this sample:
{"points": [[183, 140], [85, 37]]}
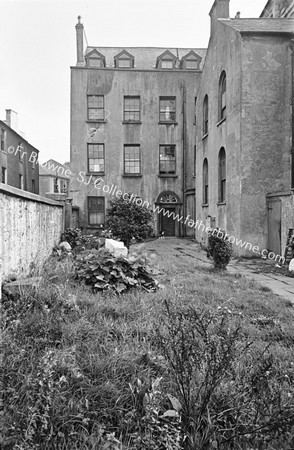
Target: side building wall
{"points": [[30, 226], [266, 135], [223, 54]]}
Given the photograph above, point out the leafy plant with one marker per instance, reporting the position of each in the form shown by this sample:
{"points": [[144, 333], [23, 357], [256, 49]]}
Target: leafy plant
{"points": [[128, 220], [105, 272], [219, 249], [73, 236]]}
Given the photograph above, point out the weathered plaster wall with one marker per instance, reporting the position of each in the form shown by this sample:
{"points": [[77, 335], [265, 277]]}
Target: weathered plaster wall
{"points": [[30, 226], [224, 53], [266, 131], [114, 85], [18, 162]]}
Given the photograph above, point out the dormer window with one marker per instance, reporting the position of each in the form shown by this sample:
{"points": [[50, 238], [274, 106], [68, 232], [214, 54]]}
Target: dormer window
{"points": [[166, 61], [124, 60], [95, 59], [191, 61]]}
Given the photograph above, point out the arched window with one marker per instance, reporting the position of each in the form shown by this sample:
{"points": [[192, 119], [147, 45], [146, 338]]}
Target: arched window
{"points": [[205, 182], [205, 115], [222, 175], [222, 103]]}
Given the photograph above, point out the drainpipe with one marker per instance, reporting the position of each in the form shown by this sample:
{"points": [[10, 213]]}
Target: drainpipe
{"points": [[292, 112], [184, 156]]}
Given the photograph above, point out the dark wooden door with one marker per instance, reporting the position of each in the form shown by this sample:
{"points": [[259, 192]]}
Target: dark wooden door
{"points": [[167, 224], [274, 225]]}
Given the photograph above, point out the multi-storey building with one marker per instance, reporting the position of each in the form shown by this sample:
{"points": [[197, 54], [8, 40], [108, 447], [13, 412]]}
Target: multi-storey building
{"points": [[54, 178], [245, 161], [278, 8], [17, 156], [133, 130]]}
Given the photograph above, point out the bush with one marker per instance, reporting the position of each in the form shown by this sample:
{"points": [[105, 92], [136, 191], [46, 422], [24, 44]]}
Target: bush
{"points": [[219, 249], [127, 220], [73, 236], [104, 272]]}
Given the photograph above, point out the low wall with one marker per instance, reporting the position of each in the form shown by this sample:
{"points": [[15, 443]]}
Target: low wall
{"points": [[30, 226]]}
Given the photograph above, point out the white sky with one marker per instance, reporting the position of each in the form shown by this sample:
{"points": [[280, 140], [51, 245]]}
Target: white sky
{"points": [[38, 46]]}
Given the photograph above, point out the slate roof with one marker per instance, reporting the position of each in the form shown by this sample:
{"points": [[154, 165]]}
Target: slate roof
{"points": [[266, 25], [145, 57], [44, 170]]}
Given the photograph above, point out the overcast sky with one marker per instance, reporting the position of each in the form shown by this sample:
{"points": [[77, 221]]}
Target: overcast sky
{"points": [[38, 46]]}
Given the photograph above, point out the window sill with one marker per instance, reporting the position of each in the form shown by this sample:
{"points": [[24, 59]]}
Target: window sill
{"points": [[132, 175], [168, 122], [205, 205], [221, 121], [167, 175], [204, 136], [131, 122], [96, 121], [98, 174], [221, 203]]}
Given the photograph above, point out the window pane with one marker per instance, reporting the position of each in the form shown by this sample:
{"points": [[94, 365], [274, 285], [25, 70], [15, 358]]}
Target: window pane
{"points": [[96, 157], [95, 101], [95, 62], [191, 64], [124, 62], [96, 114], [132, 159], [167, 64], [167, 109], [167, 159]]}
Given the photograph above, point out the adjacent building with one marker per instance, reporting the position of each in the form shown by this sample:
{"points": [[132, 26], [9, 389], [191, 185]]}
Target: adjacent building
{"points": [[278, 8], [244, 159], [16, 168], [54, 178], [133, 130]]}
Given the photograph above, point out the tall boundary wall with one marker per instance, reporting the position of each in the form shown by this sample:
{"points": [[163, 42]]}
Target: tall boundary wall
{"points": [[30, 226]]}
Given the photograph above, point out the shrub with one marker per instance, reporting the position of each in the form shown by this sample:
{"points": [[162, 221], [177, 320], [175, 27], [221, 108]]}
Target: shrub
{"points": [[73, 236], [127, 220], [104, 272], [219, 249]]}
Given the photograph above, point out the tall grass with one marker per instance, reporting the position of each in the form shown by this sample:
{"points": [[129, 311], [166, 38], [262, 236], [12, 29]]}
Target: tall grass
{"points": [[205, 363]]}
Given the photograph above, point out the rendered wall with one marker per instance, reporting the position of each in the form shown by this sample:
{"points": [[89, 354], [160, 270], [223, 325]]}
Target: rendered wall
{"points": [[30, 226]]}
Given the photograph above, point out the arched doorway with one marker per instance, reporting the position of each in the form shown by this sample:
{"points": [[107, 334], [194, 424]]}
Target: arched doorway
{"points": [[169, 208]]}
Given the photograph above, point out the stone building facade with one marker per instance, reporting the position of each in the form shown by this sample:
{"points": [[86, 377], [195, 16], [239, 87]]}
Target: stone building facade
{"points": [[15, 153], [244, 166], [278, 8], [133, 130]]}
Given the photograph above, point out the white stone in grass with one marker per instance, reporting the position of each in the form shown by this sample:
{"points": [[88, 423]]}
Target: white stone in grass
{"points": [[116, 248], [291, 265], [65, 246]]}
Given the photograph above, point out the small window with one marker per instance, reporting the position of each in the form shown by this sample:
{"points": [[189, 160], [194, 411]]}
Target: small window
{"points": [[132, 109], [205, 182], [94, 62], [195, 106], [167, 64], [222, 97], [4, 175], [64, 187], [167, 159], [132, 160], [222, 175], [167, 109], [3, 139], [96, 210], [95, 59], [20, 181], [166, 60], [96, 159], [124, 60], [205, 115], [33, 186], [95, 107], [191, 64]]}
